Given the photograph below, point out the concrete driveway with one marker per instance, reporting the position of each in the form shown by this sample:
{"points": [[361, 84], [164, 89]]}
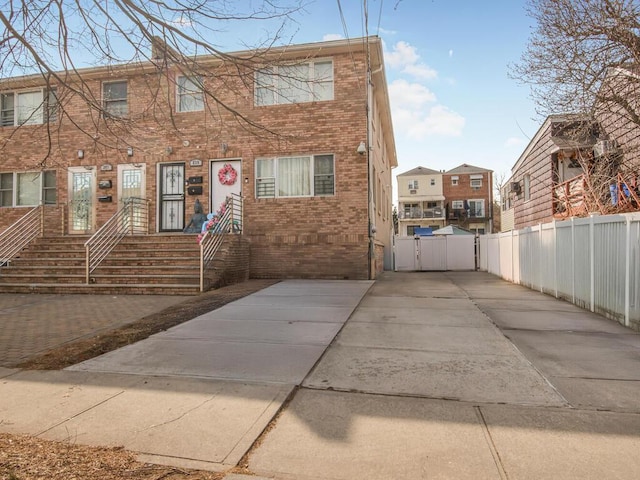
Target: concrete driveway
{"points": [[418, 375]]}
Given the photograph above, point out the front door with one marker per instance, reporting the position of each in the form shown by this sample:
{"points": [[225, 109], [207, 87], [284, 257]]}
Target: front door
{"points": [[225, 180], [171, 194], [131, 186], [82, 188]]}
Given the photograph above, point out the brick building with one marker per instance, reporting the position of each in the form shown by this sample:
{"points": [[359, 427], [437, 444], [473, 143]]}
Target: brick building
{"points": [[468, 191], [311, 158]]}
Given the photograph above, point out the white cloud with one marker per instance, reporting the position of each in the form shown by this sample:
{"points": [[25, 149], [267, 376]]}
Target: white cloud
{"points": [[421, 71], [332, 36], [403, 93], [450, 53], [405, 57], [435, 121]]}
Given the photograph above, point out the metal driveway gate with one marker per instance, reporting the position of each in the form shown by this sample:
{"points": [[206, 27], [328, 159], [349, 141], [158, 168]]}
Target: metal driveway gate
{"points": [[436, 253]]}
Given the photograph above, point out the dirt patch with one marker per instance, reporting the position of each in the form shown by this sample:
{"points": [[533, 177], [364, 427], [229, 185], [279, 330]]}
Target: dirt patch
{"points": [[81, 350], [29, 458]]}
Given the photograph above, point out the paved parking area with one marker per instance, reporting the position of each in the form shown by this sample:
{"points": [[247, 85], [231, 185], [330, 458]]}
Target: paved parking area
{"points": [[31, 324]]}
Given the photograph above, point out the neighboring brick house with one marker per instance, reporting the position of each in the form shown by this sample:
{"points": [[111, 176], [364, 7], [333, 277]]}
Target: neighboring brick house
{"points": [[315, 205], [420, 200], [468, 193]]}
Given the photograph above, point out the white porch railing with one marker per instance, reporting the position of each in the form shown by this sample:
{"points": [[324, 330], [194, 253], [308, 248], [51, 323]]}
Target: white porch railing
{"points": [[15, 238], [132, 218], [230, 221]]}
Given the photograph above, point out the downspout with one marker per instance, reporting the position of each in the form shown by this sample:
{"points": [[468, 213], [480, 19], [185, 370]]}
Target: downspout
{"points": [[368, 90]]}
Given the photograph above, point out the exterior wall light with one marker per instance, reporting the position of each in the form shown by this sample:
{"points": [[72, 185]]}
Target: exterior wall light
{"points": [[362, 148]]}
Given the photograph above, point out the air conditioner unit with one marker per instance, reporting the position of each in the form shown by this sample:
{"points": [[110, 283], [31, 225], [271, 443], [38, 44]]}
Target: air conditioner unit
{"points": [[605, 147], [412, 192], [515, 187]]}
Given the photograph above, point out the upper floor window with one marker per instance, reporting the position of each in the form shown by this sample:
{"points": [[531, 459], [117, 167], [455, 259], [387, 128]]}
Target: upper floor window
{"points": [[476, 208], [527, 187], [433, 182], [454, 180], [28, 107], [413, 184], [190, 93], [27, 188], [303, 82], [476, 183], [303, 176], [114, 99]]}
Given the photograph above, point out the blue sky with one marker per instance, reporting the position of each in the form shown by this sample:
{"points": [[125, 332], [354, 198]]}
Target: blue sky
{"points": [[446, 64]]}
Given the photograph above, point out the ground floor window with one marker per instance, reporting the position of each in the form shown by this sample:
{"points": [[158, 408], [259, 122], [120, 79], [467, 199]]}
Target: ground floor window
{"points": [[18, 189], [411, 230], [302, 176]]}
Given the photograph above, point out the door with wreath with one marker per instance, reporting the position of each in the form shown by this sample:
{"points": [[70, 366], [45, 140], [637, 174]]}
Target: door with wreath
{"points": [[225, 180]]}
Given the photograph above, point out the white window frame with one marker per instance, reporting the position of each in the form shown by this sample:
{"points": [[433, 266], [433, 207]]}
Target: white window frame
{"points": [[42, 189], [476, 183], [270, 84], [45, 112], [432, 182], [413, 184], [454, 180], [274, 178], [527, 187], [182, 91], [474, 209], [457, 204], [112, 102]]}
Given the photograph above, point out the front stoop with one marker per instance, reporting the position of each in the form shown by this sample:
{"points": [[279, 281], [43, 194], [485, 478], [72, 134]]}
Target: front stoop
{"points": [[163, 264]]}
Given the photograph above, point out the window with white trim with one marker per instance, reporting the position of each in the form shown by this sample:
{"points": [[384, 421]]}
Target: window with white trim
{"points": [[454, 180], [413, 184], [457, 204], [190, 93], [28, 107], [302, 176], [476, 208], [303, 82], [114, 99], [527, 187], [18, 189], [476, 183]]}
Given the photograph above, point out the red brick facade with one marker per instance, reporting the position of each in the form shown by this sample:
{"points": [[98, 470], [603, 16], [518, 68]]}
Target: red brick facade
{"points": [[334, 236], [469, 205]]}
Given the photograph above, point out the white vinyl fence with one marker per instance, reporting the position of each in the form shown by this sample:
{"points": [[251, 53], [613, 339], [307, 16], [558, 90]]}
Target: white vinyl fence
{"points": [[436, 253], [592, 262]]}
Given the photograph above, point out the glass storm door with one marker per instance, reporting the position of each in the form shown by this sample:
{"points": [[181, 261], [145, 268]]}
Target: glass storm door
{"points": [[131, 187], [82, 187], [171, 197], [221, 187]]}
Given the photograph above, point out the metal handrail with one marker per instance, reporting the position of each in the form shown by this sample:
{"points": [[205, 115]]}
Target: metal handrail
{"points": [[229, 221], [130, 219], [15, 238]]}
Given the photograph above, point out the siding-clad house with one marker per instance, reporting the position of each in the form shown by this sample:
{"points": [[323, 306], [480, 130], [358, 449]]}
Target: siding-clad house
{"points": [[420, 200], [542, 183], [577, 165], [313, 168], [461, 197]]}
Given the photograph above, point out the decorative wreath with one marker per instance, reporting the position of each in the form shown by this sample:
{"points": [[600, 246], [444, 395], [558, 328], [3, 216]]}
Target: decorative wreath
{"points": [[227, 175]]}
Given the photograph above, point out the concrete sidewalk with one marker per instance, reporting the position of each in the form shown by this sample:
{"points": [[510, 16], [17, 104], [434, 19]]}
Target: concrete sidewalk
{"points": [[434, 375]]}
